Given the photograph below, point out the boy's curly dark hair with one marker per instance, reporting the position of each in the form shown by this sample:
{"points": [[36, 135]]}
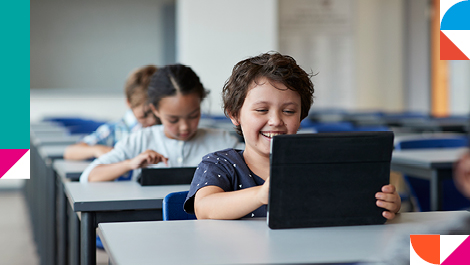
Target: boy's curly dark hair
{"points": [[275, 67]]}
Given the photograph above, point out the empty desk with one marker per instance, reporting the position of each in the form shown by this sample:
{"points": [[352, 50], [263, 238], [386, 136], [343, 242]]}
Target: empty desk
{"points": [[431, 164]]}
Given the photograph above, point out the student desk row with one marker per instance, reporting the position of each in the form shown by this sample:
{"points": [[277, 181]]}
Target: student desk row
{"points": [[434, 165], [66, 171], [47, 143], [102, 202], [251, 241]]}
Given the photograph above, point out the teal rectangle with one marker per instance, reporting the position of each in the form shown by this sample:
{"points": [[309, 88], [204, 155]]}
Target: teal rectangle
{"points": [[15, 74]]}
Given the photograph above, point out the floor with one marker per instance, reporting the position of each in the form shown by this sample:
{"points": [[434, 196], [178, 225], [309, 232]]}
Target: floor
{"points": [[17, 246]]}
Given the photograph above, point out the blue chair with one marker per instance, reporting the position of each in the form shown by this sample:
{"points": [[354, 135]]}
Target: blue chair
{"points": [[377, 128], [325, 127], [420, 188], [76, 125], [173, 207]]}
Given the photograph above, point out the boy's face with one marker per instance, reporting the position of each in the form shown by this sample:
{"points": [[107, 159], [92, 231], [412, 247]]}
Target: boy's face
{"points": [[268, 111], [180, 115], [144, 115]]}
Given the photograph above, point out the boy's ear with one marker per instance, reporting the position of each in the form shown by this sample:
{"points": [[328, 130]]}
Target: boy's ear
{"points": [[234, 120], [128, 103], [154, 110]]}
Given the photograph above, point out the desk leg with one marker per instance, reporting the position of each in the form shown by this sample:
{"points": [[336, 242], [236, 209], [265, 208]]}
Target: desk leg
{"points": [[436, 192], [73, 237], [88, 239], [62, 224]]}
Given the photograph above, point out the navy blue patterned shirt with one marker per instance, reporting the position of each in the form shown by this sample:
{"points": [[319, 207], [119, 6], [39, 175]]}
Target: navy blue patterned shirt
{"points": [[225, 169]]}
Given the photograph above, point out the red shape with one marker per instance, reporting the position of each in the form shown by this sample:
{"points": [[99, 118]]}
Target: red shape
{"points": [[449, 51], [427, 247], [461, 254], [9, 157]]}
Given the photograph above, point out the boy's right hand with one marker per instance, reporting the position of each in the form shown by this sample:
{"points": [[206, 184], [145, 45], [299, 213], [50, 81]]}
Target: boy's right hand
{"points": [[148, 157]]}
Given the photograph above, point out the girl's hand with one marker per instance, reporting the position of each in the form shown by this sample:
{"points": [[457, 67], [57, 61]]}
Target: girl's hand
{"points": [[263, 193], [148, 157], [389, 200]]}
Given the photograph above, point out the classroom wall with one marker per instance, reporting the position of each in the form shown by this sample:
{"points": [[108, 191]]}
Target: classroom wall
{"points": [[213, 35], [374, 59], [417, 48], [379, 55], [93, 44], [459, 83], [82, 52]]}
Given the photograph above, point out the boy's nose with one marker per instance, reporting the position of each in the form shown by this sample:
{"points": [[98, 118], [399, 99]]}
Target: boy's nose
{"points": [[276, 120]]}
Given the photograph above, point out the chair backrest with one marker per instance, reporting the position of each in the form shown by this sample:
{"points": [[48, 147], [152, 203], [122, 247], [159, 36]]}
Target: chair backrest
{"points": [[323, 127], [444, 142], [420, 188], [173, 207]]}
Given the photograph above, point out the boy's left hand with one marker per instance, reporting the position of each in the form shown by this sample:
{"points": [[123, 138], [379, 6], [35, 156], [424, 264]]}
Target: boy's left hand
{"points": [[389, 200]]}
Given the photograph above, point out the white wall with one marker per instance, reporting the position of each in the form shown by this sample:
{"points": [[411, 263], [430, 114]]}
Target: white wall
{"points": [[459, 83], [417, 68], [213, 35], [69, 102], [84, 50], [93, 44], [379, 55]]}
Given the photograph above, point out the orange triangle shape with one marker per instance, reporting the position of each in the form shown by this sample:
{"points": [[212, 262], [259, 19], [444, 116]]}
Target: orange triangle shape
{"points": [[449, 51]]}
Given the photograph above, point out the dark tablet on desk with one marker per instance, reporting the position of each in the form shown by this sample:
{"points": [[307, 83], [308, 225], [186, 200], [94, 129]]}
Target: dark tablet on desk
{"points": [[166, 176], [328, 179]]}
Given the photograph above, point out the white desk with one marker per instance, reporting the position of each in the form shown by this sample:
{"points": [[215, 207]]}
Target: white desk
{"points": [[434, 165], [252, 242], [113, 202], [56, 139], [70, 169]]}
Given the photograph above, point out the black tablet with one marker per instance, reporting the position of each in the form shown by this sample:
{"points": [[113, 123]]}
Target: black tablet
{"points": [[328, 179], [166, 176]]}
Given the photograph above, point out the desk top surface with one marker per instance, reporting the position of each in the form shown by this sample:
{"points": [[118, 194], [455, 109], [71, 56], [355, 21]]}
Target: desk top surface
{"points": [[69, 169], [117, 195], [252, 242], [52, 151], [427, 158], [45, 139]]}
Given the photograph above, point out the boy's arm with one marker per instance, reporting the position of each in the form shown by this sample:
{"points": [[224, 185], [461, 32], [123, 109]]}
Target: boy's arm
{"points": [[212, 202], [82, 151]]}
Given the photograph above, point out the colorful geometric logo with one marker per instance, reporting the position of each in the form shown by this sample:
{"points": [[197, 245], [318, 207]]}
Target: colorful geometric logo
{"points": [[15, 163], [455, 30], [439, 249]]}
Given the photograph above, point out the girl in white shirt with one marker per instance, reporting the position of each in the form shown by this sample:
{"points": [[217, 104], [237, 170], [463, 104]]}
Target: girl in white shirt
{"points": [[175, 95]]}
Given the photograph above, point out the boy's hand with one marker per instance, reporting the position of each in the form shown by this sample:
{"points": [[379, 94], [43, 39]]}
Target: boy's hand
{"points": [[389, 200], [148, 157], [101, 150]]}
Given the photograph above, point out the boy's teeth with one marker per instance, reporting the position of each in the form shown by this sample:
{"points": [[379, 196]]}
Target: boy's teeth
{"points": [[270, 135]]}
